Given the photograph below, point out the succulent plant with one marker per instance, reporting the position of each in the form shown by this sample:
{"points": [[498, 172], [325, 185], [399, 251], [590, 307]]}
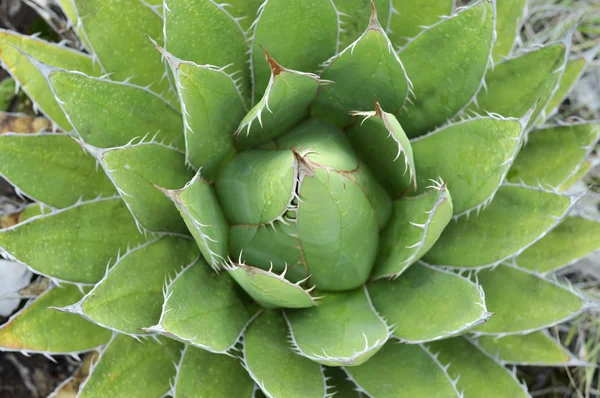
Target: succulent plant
{"points": [[298, 198]]}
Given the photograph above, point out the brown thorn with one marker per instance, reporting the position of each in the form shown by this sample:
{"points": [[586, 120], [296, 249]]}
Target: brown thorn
{"points": [[275, 67]]}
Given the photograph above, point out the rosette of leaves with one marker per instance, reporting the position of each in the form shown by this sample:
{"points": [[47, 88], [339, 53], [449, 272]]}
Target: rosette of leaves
{"points": [[297, 198]]}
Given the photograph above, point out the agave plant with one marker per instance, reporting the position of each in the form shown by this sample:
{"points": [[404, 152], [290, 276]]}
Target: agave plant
{"points": [[298, 198]]}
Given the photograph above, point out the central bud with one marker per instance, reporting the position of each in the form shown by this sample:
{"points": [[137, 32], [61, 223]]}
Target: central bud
{"points": [[305, 204]]}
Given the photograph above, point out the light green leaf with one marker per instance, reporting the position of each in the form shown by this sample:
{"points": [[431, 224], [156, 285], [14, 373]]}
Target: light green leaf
{"points": [[552, 155], [572, 239], [410, 369], [38, 329], [268, 358], [136, 170], [368, 68], [343, 330], [341, 384], [383, 145], [445, 82], [414, 227], [245, 11], [202, 214], [205, 309], [510, 16], [52, 168], [204, 32], [128, 307], [426, 304], [28, 76], [524, 302], [480, 375], [201, 374], [130, 368], [410, 16], [472, 157], [100, 229], [270, 289], [313, 27], [573, 72], [517, 218], [354, 16]]}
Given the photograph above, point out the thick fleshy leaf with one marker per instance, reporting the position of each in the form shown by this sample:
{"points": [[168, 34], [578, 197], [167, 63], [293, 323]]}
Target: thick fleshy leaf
{"points": [[245, 11], [268, 356], [57, 173], [128, 307], [553, 154], [204, 32], [343, 330], [100, 229], [510, 15], [108, 114], [37, 328], [130, 368], [340, 383], [313, 27], [203, 216], [117, 32], [426, 304], [410, 16], [366, 69], [354, 16], [32, 81], [538, 349], [472, 157], [572, 239], [270, 289], [523, 302], [383, 145], [480, 375], [136, 170], [445, 83], [414, 227], [204, 308], [405, 368], [285, 103], [516, 219], [211, 106], [204, 374], [573, 71]]}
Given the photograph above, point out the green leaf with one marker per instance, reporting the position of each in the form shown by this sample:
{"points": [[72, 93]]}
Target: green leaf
{"points": [[128, 307], [52, 168], [479, 376], [28, 76], [117, 33], [268, 358], [313, 27], [204, 32], [354, 16], [446, 82], [284, 104], [245, 11], [108, 114], [366, 69], [205, 309], [435, 304], [340, 383], [538, 349], [573, 72], [523, 302], [136, 170], [414, 227], [572, 239], [38, 329], [343, 330], [202, 214], [510, 16], [517, 218], [129, 368], [410, 369], [212, 106], [383, 145], [554, 154], [100, 229], [408, 17], [201, 374], [270, 289], [472, 157], [7, 92]]}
